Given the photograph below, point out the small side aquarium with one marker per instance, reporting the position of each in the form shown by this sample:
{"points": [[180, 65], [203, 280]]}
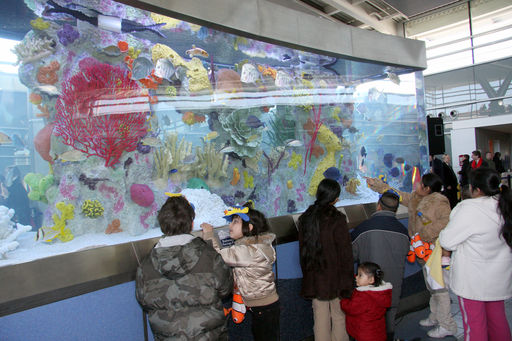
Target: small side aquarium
{"points": [[109, 107]]}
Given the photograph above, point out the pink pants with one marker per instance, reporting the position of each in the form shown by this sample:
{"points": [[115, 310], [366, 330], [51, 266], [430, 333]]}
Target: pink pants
{"points": [[484, 321]]}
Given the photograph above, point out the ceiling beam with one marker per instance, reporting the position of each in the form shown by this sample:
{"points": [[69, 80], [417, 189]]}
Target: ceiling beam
{"points": [[384, 26]]}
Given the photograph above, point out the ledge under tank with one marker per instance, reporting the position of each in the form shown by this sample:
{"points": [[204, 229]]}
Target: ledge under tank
{"points": [[111, 106]]}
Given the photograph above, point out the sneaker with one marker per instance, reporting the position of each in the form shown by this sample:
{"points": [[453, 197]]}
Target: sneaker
{"points": [[427, 322], [439, 332]]}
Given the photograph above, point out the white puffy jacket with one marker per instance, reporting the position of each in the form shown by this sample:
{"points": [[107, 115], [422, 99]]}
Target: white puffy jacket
{"points": [[481, 263]]}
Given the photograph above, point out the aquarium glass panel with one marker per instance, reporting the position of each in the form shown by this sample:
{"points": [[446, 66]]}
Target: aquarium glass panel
{"points": [[106, 110]]}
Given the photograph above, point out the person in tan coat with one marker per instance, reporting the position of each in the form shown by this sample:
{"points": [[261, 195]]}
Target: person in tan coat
{"points": [[429, 213]]}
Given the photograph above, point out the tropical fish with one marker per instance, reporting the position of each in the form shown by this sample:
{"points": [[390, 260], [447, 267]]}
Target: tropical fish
{"points": [[50, 90], [141, 68], [165, 120], [293, 143], [332, 173], [72, 156], [388, 160], [393, 77], [236, 177], [172, 171], [164, 69], [211, 135], [249, 73], [254, 122], [289, 184], [196, 51], [227, 149], [47, 234], [383, 178], [394, 172], [151, 141], [5, 139], [111, 51], [286, 57], [363, 151]]}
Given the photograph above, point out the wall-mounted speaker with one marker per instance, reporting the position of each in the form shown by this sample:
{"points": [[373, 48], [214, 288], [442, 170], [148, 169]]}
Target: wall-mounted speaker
{"points": [[435, 131]]}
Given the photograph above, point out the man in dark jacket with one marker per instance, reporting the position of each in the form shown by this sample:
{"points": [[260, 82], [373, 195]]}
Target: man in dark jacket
{"points": [[181, 282], [383, 240]]}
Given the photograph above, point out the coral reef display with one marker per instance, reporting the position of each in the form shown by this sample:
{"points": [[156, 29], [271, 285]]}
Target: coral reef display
{"points": [[164, 105], [9, 231]]}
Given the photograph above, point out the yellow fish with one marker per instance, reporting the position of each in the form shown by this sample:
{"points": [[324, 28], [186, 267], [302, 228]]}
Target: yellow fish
{"points": [[4, 138], [211, 135], [72, 155], [289, 184]]}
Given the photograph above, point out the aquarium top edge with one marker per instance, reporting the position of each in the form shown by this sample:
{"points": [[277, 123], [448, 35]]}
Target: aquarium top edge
{"points": [[269, 22]]}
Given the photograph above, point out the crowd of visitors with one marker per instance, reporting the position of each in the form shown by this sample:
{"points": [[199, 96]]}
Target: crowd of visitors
{"points": [[182, 282]]}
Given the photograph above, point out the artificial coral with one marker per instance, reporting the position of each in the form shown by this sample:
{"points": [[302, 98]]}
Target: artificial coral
{"points": [[92, 208], [67, 213], [9, 231], [211, 165], [106, 136], [332, 144], [34, 48], [38, 185]]}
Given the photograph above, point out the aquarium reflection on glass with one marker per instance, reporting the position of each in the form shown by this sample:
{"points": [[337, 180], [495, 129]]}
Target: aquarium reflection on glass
{"points": [[109, 112]]}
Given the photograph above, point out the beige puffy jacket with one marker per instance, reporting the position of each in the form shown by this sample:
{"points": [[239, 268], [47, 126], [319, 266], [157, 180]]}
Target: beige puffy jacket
{"points": [[435, 207], [252, 259]]}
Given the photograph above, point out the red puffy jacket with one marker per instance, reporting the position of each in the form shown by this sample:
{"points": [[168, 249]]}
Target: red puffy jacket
{"points": [[366, 312]]}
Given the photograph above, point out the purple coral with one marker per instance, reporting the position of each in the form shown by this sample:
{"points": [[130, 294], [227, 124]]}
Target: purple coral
{"points": [[67, 34], [291, 206], [142, 148]]}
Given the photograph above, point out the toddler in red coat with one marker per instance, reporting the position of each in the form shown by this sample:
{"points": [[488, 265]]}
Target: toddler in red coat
{"points": [[366, 309]]}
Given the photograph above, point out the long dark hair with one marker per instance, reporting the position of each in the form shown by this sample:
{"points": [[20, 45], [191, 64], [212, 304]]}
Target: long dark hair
{"points": [[311, 252], [487, 180], [257, 219]]}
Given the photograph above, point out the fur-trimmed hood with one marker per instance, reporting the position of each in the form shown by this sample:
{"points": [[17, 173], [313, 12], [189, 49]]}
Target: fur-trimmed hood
{"points": [[264, 238]]}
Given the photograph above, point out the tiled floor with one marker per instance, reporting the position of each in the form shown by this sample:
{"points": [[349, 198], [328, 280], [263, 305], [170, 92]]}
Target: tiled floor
{"points": [[408, 328]]}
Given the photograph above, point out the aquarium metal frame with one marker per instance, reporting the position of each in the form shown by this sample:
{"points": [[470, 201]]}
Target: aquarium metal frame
{"points": [[269, 22], [47, 280]]}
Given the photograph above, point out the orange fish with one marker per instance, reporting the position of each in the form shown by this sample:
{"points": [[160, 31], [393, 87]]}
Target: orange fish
{"points": [[236, 177], [197, 51], [238, 308]]}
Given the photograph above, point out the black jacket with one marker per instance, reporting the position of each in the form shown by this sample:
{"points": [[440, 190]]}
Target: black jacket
{"points": [[383, 240]]}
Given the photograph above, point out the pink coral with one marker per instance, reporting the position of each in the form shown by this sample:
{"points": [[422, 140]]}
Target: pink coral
{"points": [[42, 142], [142, 195], [145, 216], [112, 193], [81, 125]]}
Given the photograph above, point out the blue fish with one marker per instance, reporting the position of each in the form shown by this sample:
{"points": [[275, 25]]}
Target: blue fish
{"points": [[394, 172], [388, 160], [254, 122], [363, 151], [332, 173], [172, 171]]}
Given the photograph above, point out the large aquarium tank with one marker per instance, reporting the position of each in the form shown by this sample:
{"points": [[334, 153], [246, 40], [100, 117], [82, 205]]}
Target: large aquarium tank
{"points": [[113, 108]]}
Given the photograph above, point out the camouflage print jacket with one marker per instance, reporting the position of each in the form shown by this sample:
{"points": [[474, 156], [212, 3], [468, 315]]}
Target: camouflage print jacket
{"points": [[180, 285]]}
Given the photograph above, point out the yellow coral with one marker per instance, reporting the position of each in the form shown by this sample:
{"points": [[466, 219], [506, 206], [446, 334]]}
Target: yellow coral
{"points": [[295, 161], [335, 113], [169, 22], [332, 144], [196, 73], [351, 186], [92, 208], [39, 24], [248, 180], [67, 213]]}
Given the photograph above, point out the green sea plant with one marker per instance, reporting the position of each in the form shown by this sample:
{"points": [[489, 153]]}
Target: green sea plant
{"points": [[281, 126], [92, 208]]}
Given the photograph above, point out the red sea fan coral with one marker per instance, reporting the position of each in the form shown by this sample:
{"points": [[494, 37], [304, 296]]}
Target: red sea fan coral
{"points": [[97, 112]]}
